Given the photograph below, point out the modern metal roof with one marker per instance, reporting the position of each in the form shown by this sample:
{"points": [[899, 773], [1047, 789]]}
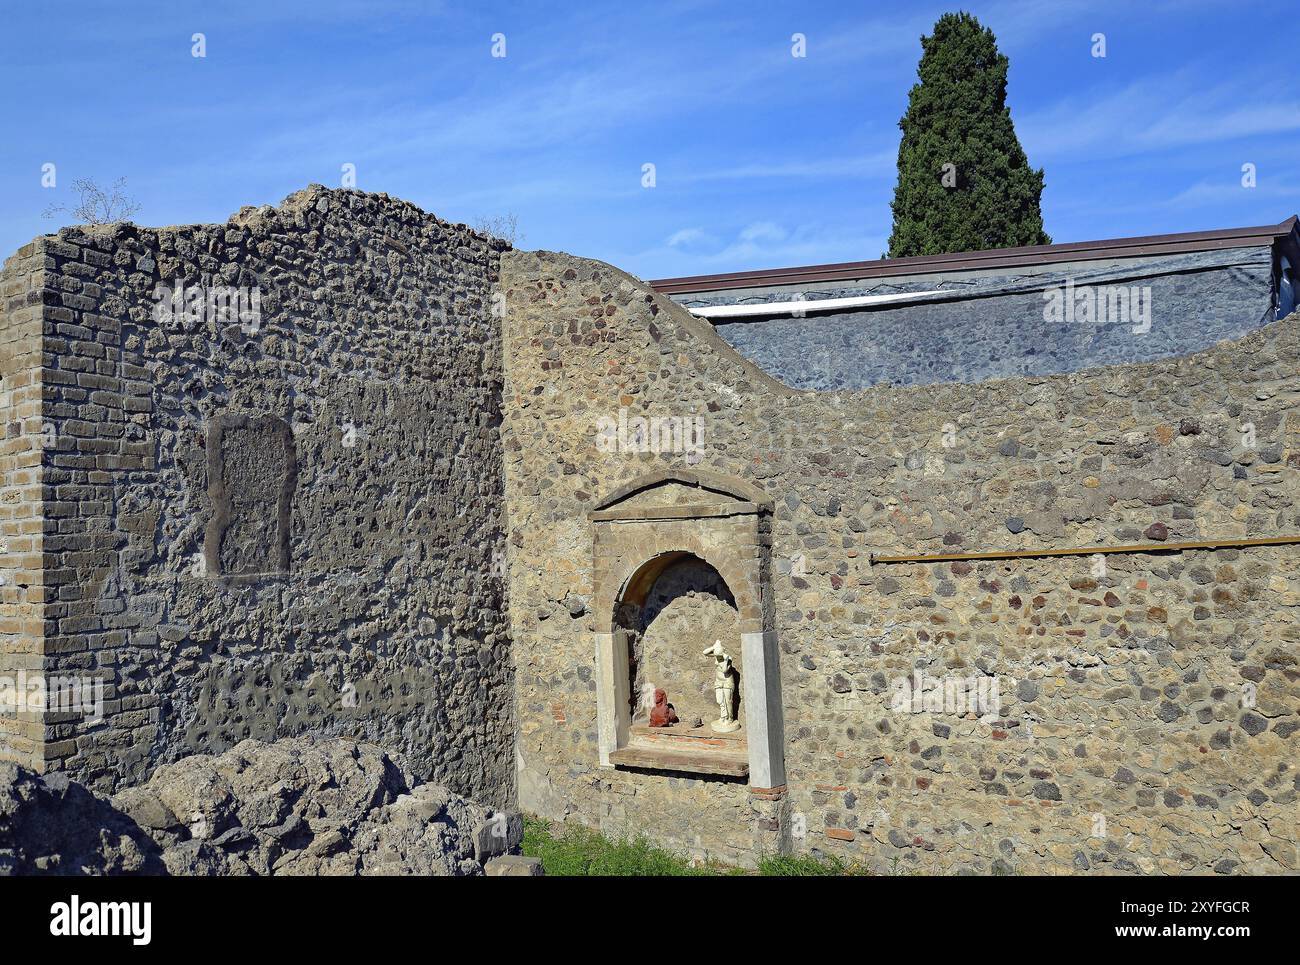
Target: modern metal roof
{"points": [[1286, 235]]}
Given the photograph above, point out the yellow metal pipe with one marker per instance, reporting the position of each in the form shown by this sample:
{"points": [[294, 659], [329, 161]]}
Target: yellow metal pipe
{"points": [[1092, 550]]}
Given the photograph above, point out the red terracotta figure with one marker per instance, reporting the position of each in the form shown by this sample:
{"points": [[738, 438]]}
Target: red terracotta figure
{"points": [[662, 713]]}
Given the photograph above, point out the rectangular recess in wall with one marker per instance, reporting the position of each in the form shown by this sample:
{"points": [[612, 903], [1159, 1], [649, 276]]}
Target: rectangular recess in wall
{"points": [[252, 473]]}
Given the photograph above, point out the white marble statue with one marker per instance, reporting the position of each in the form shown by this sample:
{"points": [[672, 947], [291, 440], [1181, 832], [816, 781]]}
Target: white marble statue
{"points": [[724, 688]]}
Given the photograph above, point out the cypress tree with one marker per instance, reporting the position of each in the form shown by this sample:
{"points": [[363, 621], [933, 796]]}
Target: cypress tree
{"points": [[964, 182]]}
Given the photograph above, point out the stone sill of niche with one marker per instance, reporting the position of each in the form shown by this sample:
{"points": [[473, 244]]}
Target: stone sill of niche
{"points": [[697, 750]]}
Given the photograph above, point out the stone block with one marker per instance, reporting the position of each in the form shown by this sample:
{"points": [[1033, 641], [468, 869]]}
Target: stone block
{"points": [[514, 866]]}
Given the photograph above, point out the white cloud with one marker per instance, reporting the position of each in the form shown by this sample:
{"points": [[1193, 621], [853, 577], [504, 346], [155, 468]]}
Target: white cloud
{"points": [[1156, 114], [763, 232], [875, 165], [1206, 193], [690, 238], [762, 244]]}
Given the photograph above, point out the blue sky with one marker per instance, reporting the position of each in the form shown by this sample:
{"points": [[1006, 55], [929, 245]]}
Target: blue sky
{"points": [[761, 159]]}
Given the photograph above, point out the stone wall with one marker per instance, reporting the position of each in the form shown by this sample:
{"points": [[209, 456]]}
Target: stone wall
{"points": [[291, 517], [1146, 707], [285, 520]]}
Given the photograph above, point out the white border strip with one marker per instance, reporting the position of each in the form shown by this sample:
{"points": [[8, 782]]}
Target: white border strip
{"points": [[803, 307]]}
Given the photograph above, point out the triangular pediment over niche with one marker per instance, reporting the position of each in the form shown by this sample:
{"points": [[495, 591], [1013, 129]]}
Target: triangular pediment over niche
{"points": [[683, 488]]}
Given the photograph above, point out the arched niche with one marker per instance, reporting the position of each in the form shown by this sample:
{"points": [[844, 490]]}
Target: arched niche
{"points": [[674, 605], [642, 531]]}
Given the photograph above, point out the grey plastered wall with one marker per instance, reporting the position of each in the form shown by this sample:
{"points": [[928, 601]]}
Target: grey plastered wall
{"points": [[288, 524], [987, 325]]}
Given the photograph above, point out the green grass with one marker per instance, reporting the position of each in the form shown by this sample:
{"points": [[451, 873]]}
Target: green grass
{"points": [[575, 851], [806, 866]]}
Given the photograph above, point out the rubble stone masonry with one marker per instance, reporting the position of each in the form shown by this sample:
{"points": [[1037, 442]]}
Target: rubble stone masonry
{"points": [[270, 512], [1147, 703], [341, 468]]}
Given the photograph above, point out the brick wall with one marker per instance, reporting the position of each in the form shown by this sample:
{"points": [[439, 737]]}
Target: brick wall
{"points": [[22, 587]]}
